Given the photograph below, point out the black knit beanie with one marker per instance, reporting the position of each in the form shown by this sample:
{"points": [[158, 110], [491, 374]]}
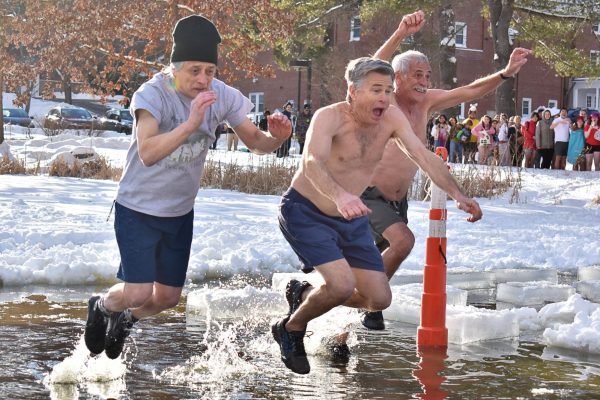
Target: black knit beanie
{"points": [[195, 38]]}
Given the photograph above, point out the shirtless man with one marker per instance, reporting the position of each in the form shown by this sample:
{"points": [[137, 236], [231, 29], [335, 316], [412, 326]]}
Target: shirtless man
{"points": [[386, 194], [322, 215]]}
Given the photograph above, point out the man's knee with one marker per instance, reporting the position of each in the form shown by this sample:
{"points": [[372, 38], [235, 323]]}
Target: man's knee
{"points": [[137, 296], [380, 300], [168, 300], [341, 289], [400, 237]]}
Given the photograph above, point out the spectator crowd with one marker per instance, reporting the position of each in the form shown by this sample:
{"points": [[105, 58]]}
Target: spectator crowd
{"points": [[544, 141]]}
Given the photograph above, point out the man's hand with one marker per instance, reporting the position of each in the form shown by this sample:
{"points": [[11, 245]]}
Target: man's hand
{"points": [[470, 206], [351, 206], [518, 58], [199, 106], [279, 125], [411, 23]]}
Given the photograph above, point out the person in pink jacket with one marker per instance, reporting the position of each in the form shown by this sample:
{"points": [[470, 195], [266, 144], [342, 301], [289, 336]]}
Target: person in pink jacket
{"points": [[485, 138]]}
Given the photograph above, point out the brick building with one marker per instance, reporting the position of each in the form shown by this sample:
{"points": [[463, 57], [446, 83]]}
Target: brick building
{"points": [[321, 82]]}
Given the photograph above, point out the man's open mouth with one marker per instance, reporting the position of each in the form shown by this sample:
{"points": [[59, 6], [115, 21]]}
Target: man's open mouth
{"points": [[378, 112], [421, 89]]}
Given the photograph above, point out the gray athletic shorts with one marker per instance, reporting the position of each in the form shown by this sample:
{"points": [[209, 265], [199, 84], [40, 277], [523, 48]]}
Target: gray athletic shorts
{"points": [[384, 213], [560, 148]]}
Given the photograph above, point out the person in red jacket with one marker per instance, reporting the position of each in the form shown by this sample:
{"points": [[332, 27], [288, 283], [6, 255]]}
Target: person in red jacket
{"points": [[592, 142], [528, 130]]}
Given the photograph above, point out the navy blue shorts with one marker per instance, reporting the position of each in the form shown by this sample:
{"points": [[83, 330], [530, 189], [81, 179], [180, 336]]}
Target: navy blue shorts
{"points": [[153, 249], [318, 238]]}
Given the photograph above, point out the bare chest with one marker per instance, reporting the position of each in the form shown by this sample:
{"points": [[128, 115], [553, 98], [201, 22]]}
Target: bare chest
{"points": [[359, 148]]}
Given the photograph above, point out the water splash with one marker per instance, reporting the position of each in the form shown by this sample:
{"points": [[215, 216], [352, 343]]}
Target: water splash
{"points": [[100, 375]]}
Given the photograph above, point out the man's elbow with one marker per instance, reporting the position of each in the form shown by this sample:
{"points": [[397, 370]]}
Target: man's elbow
{"points": [[146, 159]]}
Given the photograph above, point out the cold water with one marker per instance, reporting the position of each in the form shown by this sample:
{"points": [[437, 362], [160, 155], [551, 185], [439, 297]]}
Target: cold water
{"points": [[179, 356]]}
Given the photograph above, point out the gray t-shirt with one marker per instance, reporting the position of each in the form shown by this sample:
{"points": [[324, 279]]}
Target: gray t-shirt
{"points": [[169, 187]]}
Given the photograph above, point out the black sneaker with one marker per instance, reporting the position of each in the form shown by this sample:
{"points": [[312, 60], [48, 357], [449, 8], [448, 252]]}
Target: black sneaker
{"points": [[291, 345], [95, 327], [372, 320], [340, 352], [119, 326], [293, 294]]}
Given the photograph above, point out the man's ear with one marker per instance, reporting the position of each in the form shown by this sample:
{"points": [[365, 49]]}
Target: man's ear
{"points": [[352, 90]]}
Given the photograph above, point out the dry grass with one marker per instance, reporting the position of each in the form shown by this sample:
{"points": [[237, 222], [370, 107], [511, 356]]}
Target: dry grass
{"points": [[596, 200], [274, 177], [484, 182], [57, 131], [266, 178], [11, 167], [98, 168]]}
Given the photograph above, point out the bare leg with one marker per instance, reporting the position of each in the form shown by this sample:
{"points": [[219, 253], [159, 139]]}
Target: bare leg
{"points": [[144, 299], [589, 158], [401, 240], [596, 161], [347, 286]]}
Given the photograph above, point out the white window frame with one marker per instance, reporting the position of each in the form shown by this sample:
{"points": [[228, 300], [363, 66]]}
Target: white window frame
{"points": [[552, 103], [595, 57], [460, 27], [258, 99], [526, 100], [355, 26], [596, 28], [590, 100], [462, 111]]}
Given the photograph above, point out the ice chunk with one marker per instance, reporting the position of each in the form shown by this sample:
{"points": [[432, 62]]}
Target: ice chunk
{"points": [[454, 296], [528, 317], [589, 290], [404, 277], [564, 312], [465, 324], [582, 335], [467, 279], [280, 279], [526, 275], [406, 302], [468, 324], [532, 293], [481, 296], [226, 303], [591, 273]]}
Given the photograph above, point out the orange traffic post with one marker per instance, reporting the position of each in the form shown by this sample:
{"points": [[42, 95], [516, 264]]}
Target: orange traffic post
{"points": [[430, 373], [433, 332]]}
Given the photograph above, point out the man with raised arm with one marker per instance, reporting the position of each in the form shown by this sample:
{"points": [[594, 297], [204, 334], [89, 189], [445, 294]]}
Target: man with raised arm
{"points": [[175, 114], [387, 191], [324, 219]]}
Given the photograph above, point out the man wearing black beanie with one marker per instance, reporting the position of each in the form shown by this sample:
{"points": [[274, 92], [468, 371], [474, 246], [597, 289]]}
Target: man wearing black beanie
{"points": [[175, 116]]}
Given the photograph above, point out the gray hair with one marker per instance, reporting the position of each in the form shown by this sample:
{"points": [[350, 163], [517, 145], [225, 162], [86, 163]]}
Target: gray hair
{"points": [[401, 63], [174, 66], [358, 69]]}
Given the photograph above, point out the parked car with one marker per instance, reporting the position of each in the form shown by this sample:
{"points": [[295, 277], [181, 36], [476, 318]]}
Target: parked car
{"points": [[117, 119], [61, 117], [17, 116]]}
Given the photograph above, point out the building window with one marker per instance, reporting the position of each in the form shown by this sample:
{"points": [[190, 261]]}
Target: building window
{"points": [[460, 34], [526, 107], [258, 99], [596, 28], [595, 57], [355, 29], [552, 104], [589, 101], [462, 111]]}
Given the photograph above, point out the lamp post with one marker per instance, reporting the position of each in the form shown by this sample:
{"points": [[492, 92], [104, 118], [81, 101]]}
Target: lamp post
{"points": [[298, 65]]}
